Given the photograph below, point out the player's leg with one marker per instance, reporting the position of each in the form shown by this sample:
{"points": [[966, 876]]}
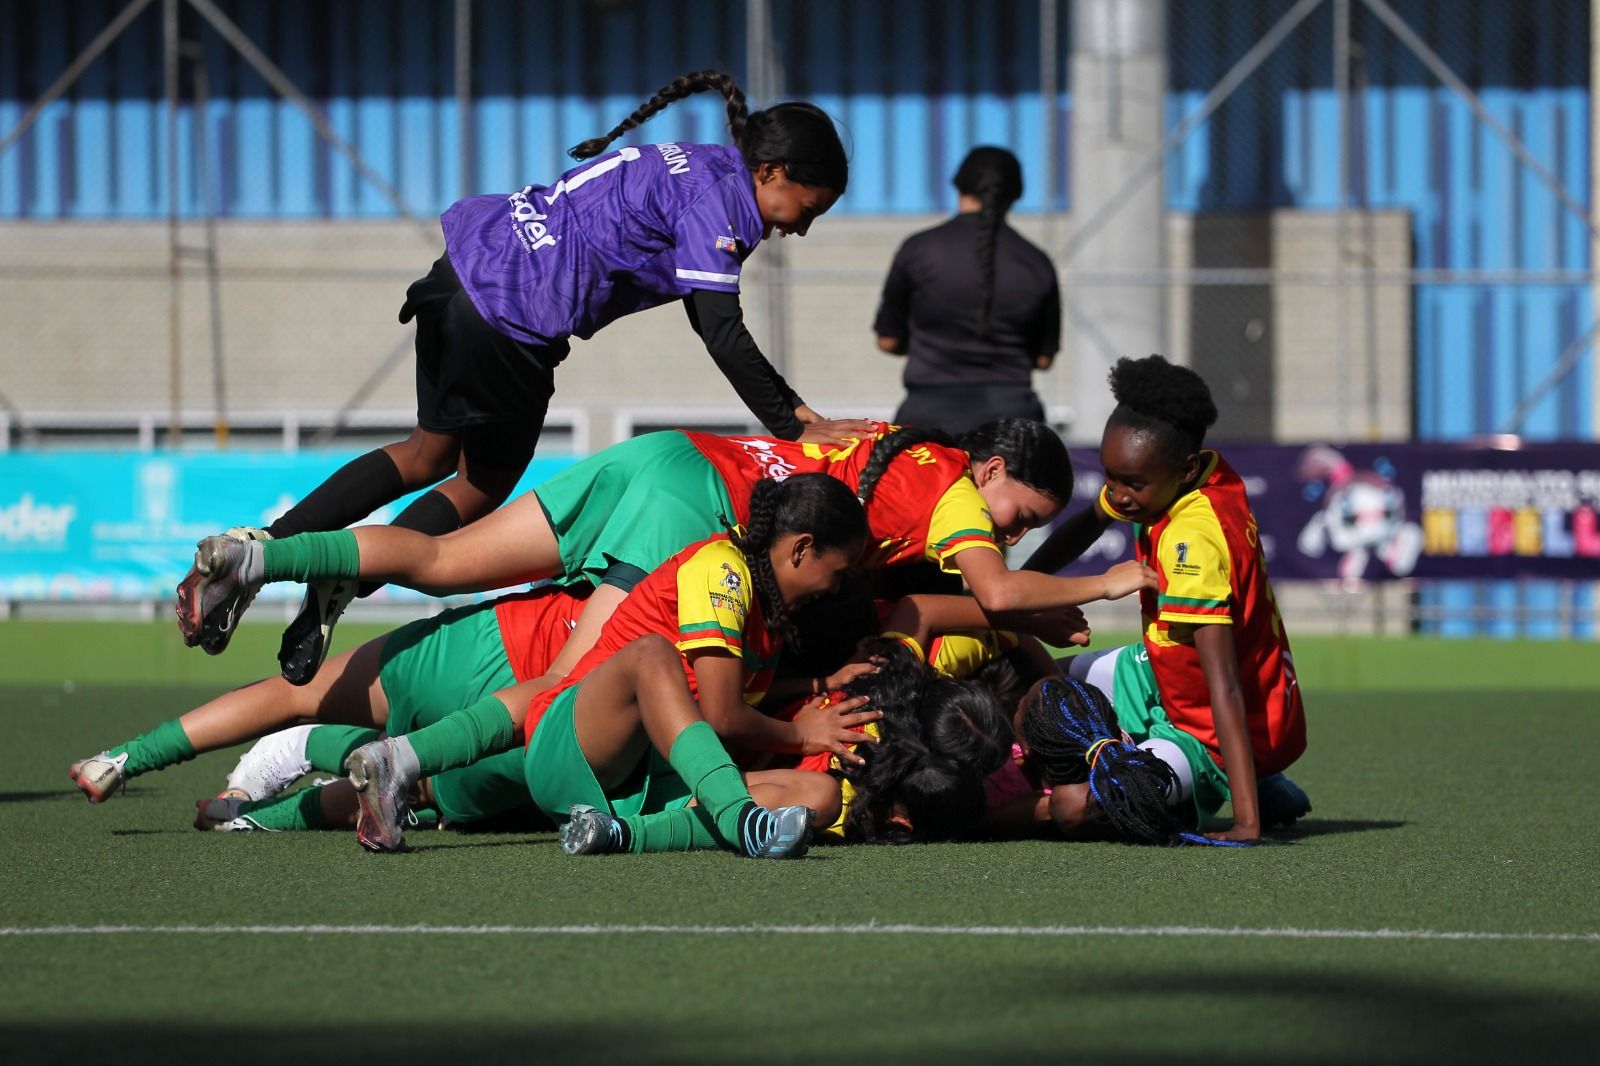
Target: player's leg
{"points": [[491, 459], [279, 759], [639, 699], [347, 692]]}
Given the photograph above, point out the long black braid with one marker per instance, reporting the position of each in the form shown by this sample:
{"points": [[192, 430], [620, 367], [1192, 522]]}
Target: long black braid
{"points": [[1072, 730], [1034, 454], [994, 176], [686, 85], [799, 136], [816, 504]]}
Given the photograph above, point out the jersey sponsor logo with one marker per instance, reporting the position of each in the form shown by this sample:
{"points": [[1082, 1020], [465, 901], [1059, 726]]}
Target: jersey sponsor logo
{"points": [[529, 223], [676, 158], [727, 244], [770, 464], [1183, 566], [731, 579]]}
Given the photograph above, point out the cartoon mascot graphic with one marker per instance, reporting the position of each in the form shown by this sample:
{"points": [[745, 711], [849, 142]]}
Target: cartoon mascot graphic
{"points": [[1363, 515]]}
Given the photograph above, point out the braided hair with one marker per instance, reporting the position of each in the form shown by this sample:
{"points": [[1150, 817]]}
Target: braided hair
{"points": [[801, 136], [994, 177], [1171, 403], [939, 739], [1033, 453], [1072, 730], [814, 504]]}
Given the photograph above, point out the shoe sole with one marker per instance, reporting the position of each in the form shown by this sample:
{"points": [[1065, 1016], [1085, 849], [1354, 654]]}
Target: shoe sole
{"points": [[210, 632], [305, 646], [370, 823]]}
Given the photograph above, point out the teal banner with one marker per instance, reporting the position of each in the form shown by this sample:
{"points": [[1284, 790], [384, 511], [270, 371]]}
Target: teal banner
{"points": [[108, 526]]}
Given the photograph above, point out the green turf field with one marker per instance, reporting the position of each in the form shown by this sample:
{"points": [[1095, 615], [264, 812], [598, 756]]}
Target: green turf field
{"points": [[1441, 903]]}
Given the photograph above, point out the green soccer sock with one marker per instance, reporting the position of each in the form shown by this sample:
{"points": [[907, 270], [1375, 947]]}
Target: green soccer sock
{"points": [[295, 812], [703, 763], [165, 745], [311, 556], [328, 746], [463, 737], [681, 829]]}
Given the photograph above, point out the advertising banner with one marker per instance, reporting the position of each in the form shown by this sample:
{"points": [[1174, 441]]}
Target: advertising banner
{"points": [[1381, 512], [123, 525]]}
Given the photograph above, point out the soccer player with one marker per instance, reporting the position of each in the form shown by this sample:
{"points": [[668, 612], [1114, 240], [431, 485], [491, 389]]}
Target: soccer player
{"points": [[1214, 674], [724, 603], [522, 273], [406, 678], [619, 513]]}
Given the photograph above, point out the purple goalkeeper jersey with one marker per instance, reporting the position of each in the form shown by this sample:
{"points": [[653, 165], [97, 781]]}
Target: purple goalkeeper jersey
{"points": [[625, 231]]}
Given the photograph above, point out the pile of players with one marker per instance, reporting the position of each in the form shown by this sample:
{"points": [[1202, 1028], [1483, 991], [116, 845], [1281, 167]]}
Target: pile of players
{"points": [[714, 658]]}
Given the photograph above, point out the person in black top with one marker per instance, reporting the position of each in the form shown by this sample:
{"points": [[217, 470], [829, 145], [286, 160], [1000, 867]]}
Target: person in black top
{"points": [[973, 306]]}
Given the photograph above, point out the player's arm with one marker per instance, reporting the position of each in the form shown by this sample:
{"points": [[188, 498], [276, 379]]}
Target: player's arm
{"points": [[999, 590], [893, 322], [1219, 663], [720, 677], [920, 616], [719, 320], [1046, 339]]}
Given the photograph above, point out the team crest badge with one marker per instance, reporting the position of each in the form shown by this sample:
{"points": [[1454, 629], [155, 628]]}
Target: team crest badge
{"points": [[727, 244], [1183, 552], [731, 579]]}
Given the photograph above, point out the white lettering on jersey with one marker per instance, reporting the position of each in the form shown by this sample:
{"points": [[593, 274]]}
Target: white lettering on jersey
{"points": [[528, 223], [771, 466], [676, 158]]}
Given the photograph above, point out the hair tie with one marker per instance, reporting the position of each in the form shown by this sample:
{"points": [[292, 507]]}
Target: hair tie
{"points": [[1092, 756]]}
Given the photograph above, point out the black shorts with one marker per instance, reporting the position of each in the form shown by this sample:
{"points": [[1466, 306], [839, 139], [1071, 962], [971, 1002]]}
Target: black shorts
{"points": [[473, 381]]}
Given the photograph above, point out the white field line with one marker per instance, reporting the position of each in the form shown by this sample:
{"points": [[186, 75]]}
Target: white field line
{"points": [[872, 929]]}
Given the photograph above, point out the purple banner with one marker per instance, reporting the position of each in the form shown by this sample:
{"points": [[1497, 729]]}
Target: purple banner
{"points": [[1381, 512]]}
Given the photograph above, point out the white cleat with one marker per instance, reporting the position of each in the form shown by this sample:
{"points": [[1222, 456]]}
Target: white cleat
{"points": [[276, 761], [98, 776]]}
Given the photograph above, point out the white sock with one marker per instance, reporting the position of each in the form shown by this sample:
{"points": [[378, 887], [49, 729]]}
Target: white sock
{"points": [[405, 758]]}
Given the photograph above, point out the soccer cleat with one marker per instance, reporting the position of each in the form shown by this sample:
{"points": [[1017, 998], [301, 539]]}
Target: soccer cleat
{"points": [[784, 833], [1281, 802], [98, 776], [590, 831], [305, 642], [276, 761], [221, 814], [214, 593], [381, 789]]}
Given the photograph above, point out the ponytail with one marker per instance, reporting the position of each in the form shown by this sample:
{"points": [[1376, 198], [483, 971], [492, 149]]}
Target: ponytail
{"points": [[994, 176], [798, 135], [687, 85]]}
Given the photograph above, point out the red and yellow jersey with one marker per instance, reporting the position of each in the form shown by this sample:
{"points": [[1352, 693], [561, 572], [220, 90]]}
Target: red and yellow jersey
{"points": [[1207, 555], [701, 598], [924, 507], [534, 626]]}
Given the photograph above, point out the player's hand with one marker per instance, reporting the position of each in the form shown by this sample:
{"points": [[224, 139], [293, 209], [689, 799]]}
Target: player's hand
{"points": [[1238, 833], [1059, 627], [835, 727], [848, 673], [1128, 577], [832, 431]]}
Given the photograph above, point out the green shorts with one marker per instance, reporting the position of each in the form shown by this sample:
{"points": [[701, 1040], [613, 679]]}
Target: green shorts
{"points": [[558, 776], [435, 666], [1139, 712], [636, 503]]}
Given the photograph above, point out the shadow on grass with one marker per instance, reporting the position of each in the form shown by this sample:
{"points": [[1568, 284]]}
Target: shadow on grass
{"points": [[1323, 827], [45, 796], [1188, 1017]]}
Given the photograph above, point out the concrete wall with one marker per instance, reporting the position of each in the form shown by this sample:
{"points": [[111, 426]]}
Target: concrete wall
{"points": [[309, 315]]}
